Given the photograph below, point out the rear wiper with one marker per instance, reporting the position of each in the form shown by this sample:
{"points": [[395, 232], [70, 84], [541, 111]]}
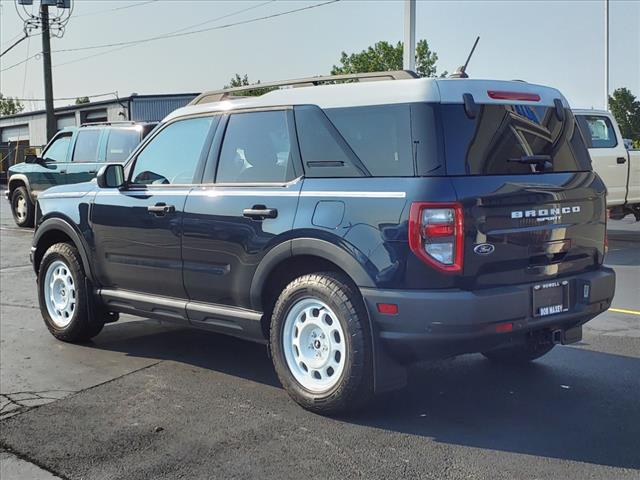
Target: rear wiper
{"points": [[543, 162]]}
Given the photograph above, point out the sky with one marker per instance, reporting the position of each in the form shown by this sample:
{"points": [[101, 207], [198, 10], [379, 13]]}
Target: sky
{"points": [[556, 43]]}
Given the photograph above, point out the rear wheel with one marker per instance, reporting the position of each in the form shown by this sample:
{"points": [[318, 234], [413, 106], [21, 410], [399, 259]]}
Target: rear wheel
{"points": [[321, 345], [519, 354], [22, 207], [63, 297]]}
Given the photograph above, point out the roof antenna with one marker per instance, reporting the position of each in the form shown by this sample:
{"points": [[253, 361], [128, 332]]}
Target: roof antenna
{"points": [[461, 72]]}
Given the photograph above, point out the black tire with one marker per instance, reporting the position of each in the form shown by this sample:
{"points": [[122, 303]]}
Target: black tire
{"points": [[80, 327], [22, 218], [354, 388], [519, 354]]}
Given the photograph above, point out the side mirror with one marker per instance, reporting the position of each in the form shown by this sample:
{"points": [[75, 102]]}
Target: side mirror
{"points": [[111, 176], [32, 158]]}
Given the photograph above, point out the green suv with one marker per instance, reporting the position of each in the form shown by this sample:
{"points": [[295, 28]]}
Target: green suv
{"points": [[74, 155]]}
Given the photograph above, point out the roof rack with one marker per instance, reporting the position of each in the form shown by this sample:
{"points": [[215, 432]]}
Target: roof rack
{"points": [[217, 95], [118, 122]]}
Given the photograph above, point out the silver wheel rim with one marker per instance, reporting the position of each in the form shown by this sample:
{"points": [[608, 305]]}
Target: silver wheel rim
{"points": [[60, 293], [314, 345], [21, 208]]}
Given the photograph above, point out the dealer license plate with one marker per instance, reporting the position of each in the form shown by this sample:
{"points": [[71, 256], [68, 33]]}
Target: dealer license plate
{"points": [[550, 298]]}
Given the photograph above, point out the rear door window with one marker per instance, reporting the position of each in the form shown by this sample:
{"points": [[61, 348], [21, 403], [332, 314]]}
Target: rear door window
{"points": [[121, 143], [503, 138], [86, 149], [598, 131], [256, 149], [379, 135]]}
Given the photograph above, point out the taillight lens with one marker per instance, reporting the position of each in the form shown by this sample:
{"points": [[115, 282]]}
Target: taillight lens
{"points": [[436, 234]]}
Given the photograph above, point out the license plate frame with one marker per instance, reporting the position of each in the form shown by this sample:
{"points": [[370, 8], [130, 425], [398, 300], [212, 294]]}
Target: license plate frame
{"points": [[550, 298]]}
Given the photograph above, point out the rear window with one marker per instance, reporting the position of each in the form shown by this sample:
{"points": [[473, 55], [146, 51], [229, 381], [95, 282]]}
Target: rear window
{"points": [[503, 138], [598, 131], [121, 143]]}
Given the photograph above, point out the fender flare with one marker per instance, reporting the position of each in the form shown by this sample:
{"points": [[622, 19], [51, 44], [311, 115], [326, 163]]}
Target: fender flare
{"points": [[306, 246], [62, 225], [19, 177]]}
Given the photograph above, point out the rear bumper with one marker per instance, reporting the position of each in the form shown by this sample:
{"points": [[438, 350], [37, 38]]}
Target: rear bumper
{"points": [[441, 323]]}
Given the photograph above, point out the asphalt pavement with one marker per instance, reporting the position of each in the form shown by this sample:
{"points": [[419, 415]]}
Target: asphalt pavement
{"points": [[145, 400]]}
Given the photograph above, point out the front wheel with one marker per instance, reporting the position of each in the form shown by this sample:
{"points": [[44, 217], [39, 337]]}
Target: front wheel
{"points": [[63, 297], [321, 344], [22, 207]]}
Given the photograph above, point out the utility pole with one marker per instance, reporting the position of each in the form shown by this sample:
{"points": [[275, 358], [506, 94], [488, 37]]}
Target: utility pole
{"points": [[46, 64], [50, 24], [409, 50], [606, 54]]}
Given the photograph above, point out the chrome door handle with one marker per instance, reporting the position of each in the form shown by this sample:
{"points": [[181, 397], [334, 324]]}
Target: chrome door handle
{"points": [[161, 209], [621, 160]]}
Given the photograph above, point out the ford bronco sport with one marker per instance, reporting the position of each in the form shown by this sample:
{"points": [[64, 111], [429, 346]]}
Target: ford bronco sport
{"points": [[353, 227], [72, 156]]}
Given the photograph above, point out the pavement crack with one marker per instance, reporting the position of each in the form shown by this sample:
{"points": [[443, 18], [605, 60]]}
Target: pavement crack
{"points": [[6, 304]]}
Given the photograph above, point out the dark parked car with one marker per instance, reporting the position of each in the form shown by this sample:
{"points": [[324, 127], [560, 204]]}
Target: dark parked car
{"points": [[72, 156], [353, 228]]}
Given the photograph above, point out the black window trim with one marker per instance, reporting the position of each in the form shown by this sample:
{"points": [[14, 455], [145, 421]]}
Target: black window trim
{"points": [[197, 177]]}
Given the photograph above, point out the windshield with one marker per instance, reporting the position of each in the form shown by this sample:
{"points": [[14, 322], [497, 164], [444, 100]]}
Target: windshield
{"points": [[511, 139]]}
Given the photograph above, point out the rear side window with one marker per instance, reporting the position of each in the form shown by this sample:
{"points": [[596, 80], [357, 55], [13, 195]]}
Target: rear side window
{"points": [[324, 152], [598, 131], [256, 149], [379, 135], [121, 143], [502, 138], [86, 149]]}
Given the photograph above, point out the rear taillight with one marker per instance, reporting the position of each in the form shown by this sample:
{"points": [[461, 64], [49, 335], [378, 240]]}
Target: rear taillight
{"points": [[436, 234]]}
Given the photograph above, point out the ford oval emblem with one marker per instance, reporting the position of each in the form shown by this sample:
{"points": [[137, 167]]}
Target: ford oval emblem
{"points": [[484, 249]]}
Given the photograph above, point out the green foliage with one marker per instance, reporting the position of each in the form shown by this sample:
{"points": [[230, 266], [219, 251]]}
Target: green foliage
{"points": [[82, 100], [384, 56], [626, 109], [238, 81], [9, 106]]}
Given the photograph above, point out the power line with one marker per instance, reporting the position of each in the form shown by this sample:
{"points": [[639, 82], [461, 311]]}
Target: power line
{"points": [[168, 33], [14, 44], [67, 98], [174, 35], [219, 27], [115, 9]]}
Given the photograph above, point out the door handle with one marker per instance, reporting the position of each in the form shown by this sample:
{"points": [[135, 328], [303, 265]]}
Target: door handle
{"points": [[621, 160], [260, 212], [161, 209], [62, 172]]}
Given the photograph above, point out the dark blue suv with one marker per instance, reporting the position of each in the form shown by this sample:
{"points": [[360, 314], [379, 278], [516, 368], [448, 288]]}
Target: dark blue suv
{"points": [[354, 228]]}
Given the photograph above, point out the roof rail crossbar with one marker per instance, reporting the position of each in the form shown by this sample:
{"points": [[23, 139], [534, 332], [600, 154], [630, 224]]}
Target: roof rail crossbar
{"points": [[217, 95]]}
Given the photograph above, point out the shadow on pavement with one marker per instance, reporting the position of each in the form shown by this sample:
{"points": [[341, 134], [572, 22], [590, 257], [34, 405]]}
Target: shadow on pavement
{"points": [[560, 407]]}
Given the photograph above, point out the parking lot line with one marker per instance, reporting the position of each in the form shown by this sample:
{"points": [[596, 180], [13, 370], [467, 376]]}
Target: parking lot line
{"points": [[622, 310]]}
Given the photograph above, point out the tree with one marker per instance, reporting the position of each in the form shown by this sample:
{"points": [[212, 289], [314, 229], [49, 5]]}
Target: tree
{"points": [[10, 106], [82, 100], [626, 109], [384, 56], [238, 81]]}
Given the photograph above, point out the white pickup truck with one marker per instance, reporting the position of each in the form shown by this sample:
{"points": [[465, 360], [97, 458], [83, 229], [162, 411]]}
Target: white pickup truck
{"points": [[618, 167]]}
